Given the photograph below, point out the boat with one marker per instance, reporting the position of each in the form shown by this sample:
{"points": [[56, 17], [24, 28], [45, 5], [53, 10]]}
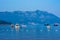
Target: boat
{"points": [[17, 26], [48, 26], [56, 24]]}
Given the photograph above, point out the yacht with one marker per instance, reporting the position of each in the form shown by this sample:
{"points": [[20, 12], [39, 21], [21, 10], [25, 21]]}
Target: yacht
{"points": [[48, 26], [55, 24], [17, 26]]}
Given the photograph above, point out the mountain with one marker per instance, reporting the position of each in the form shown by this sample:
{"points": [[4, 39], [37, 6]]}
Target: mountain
{"points": [[25, 17]]}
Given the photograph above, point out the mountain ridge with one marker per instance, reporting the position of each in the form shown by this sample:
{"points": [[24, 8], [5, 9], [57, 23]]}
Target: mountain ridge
{"points": [[29, 16]]}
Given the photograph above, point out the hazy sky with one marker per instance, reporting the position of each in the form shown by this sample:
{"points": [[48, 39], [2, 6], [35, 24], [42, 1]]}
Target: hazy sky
{"points": [[52, 6]]}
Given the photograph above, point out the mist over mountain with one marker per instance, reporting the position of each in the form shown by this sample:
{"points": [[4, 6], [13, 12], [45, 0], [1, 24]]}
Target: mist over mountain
{"points": [[25, 17]]}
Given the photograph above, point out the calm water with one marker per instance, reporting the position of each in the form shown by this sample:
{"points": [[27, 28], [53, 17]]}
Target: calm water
{"points": [[31, 32]]}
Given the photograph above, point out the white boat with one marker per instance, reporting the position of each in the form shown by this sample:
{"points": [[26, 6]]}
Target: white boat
{"points": [[17, 26], [48, 26]]}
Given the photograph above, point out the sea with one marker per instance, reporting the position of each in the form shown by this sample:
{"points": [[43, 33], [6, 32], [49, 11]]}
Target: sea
{"points": [[30, 32]]}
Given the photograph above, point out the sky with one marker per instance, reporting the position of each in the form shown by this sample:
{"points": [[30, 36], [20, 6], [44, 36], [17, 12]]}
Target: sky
{"points": [[52, 6]]}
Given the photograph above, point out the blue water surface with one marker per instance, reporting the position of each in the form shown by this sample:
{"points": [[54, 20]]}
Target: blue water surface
{"points": [[31, 32]]}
